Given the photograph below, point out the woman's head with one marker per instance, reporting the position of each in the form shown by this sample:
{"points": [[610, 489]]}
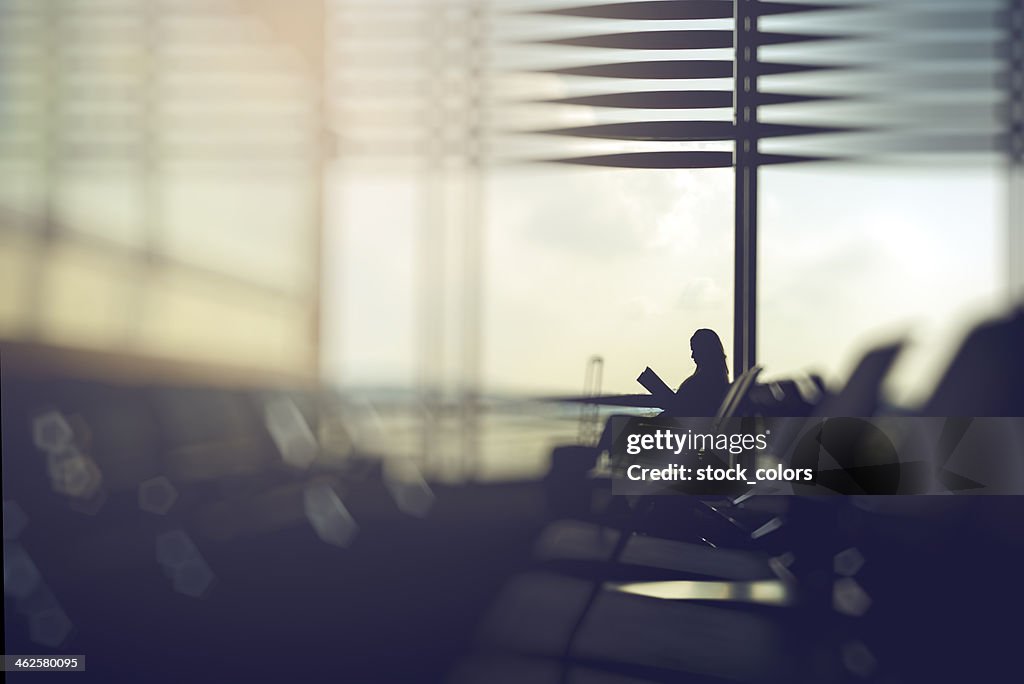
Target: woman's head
{"points": [[707, 350]]}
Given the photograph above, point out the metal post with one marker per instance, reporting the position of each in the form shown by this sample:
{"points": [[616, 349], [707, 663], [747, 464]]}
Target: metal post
{"points": [[473, 236], [323, 157], [745, 158], [432, 239]]}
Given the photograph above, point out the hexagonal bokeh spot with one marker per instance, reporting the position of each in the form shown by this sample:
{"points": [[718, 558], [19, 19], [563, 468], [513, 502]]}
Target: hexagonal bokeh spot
{"points": [[328, 516], [41, 599], [15, 520], [413, 497], [849, 598], [411, 493], [157, 495], [21, 576], [291, 433], [51, 432], [73, 474], [193, 578], [83, 478], [780, 566], [858, 659], [848, 562], [49, 627], [174, 548]]}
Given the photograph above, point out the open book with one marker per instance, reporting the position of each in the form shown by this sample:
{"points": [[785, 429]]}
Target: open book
{"points": [[656, 386]]}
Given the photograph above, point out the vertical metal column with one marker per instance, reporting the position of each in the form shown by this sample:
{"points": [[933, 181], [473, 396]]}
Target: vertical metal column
{"points": [[473, 236], [150, 173], [323, 155], [745, 160], [49, 169], [433, 188]]}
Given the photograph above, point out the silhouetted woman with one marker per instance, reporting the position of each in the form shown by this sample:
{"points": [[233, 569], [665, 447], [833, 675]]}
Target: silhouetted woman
{"points": [[702, 393], [699, 396]]}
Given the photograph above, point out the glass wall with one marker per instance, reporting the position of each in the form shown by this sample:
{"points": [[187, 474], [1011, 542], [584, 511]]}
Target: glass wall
{"points": [[159, 181]]}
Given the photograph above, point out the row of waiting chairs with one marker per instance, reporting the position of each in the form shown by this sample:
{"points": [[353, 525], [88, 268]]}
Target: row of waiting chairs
{"points": [[723, 590]]}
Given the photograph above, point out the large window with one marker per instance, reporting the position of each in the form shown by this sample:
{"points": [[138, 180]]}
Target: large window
{"points": [[159, 181]]}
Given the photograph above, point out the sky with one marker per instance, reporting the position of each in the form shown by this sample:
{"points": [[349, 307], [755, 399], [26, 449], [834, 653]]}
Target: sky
{"points": [[626, 264]]}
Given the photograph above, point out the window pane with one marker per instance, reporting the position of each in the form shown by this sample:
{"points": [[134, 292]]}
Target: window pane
{"points": [[856, 257], [625, 264]]}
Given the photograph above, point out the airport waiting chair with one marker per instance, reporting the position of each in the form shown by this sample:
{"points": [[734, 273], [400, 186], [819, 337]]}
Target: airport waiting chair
{"points": [[586, 629], [582, 613], [862, 393], [735, 402], [571, 481], [860, 396], [570, 491], [986, 376]]}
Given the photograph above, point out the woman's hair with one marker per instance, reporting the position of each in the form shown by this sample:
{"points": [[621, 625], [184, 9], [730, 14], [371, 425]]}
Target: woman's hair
{"points": [[708, 351]]}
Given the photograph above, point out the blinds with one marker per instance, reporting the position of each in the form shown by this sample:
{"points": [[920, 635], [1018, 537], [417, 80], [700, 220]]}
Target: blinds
{"points": [[160, 167]]}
